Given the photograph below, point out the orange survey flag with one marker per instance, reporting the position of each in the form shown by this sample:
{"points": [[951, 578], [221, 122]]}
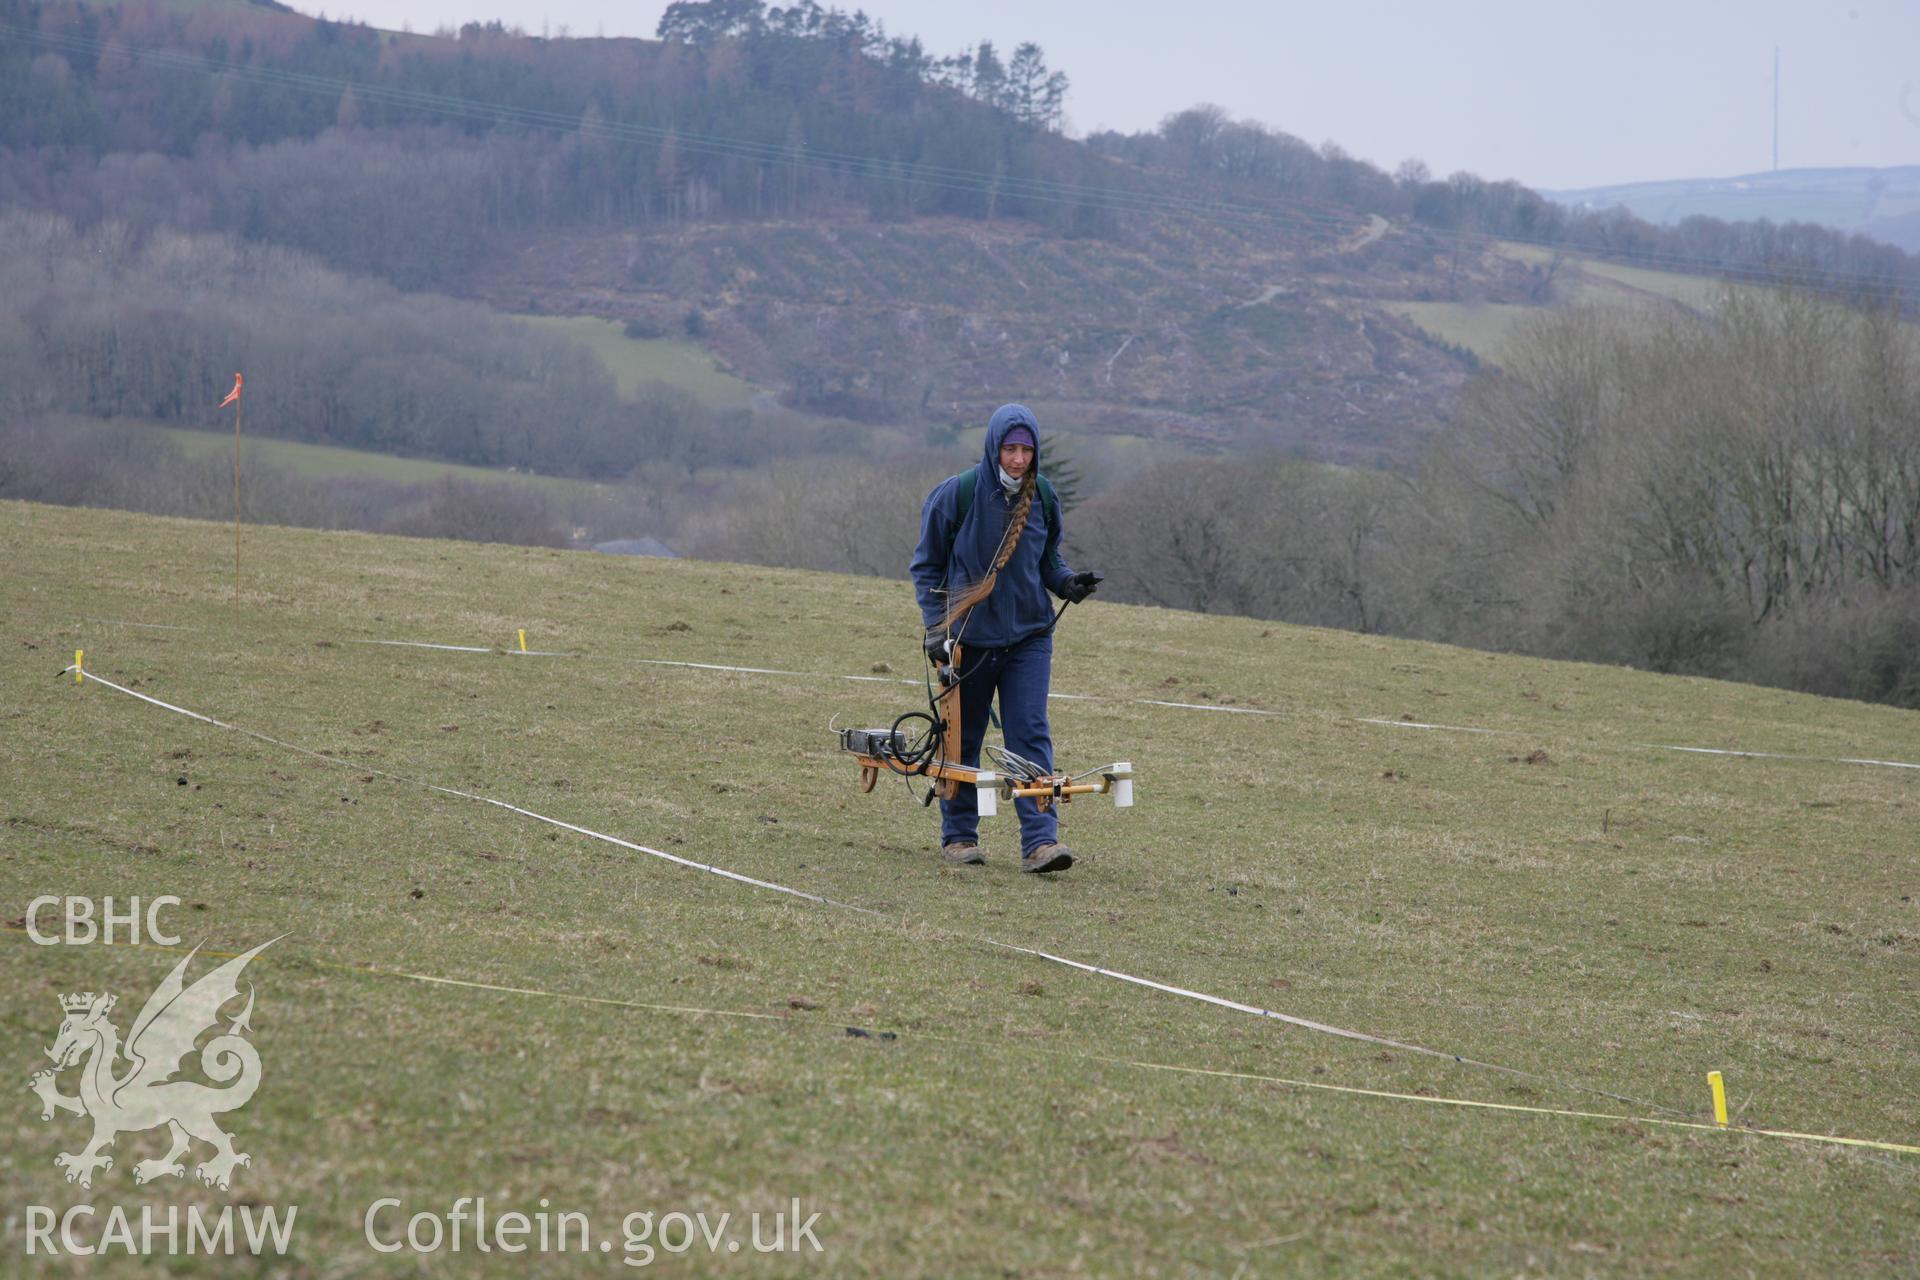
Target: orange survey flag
{"points": [[233, 394]]}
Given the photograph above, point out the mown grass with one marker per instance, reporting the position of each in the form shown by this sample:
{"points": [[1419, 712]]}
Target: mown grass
{"points": [[1609, 915], [678, 362]]}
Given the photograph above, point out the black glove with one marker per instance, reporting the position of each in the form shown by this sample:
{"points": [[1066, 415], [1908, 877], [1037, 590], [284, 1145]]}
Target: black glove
{"points": [[1081, 585], [936, 647]]}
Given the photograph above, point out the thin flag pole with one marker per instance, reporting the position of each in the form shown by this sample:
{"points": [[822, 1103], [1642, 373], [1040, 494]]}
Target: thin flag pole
{"points": [[233, 398]]}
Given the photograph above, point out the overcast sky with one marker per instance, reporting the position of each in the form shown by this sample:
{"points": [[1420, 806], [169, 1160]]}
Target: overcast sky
{"points": [[1552, 93]]}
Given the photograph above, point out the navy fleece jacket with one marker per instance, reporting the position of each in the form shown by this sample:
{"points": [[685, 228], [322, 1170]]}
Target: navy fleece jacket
{"points": [[953, 553]]}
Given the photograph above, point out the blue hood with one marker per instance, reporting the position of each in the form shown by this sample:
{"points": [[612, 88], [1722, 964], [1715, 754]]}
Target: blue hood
{"points": [[1004, 419]]}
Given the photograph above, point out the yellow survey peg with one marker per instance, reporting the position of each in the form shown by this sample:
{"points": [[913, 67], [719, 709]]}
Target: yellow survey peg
{"points": [[1719, 1088], [523, 639], [78, 656]]}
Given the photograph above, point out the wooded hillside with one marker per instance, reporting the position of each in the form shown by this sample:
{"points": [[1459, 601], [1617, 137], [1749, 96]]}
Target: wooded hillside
{"points": [[867, 227]]}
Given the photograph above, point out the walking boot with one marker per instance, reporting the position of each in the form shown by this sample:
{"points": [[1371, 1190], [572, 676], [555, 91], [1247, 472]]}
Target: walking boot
{"points": [[1046, 857]]}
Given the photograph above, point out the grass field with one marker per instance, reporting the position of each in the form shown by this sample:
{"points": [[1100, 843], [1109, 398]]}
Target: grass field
{"points": [[301, 458], [1480, 327], [1485, 327], [1560, 896], [1690, 290], [677, 362]]}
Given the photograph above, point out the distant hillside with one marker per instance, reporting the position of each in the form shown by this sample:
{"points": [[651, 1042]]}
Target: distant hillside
{"points": [[1881, 203], [862, 228], [873, 233], [1206, 338]]}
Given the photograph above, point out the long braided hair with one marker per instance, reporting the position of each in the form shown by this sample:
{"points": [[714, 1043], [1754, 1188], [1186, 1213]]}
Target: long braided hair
{"points": [[961, 598]]}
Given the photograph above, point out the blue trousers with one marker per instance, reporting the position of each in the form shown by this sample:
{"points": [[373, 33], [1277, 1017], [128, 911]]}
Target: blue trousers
{"points": [[1020, 675]]}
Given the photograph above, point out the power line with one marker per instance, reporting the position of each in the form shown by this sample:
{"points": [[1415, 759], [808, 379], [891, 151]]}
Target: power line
{"points": [[717, 145], [1829, 281]]}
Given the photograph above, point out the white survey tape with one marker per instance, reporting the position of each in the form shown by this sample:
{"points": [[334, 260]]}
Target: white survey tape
{"points": [[1416, 724], [469, 795], [1656, 746], [934, 1037], [648, 662], [737, 877], [795, 675], [722, 666], [1071, 697], [473, 648], [1151, 702], [147, 626], [422, 644], [1775, 755]]}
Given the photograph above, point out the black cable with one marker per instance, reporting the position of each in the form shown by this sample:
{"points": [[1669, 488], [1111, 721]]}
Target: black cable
{"points": [[1056, 617], [925, 749], [919, 755]]}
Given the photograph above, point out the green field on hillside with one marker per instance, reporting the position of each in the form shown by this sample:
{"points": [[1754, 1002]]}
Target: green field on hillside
{"points": [[1585, 279], [301, 458], [1560, 895], [1480, 327], [1485, 327], [678, 362], [1690, 290]]}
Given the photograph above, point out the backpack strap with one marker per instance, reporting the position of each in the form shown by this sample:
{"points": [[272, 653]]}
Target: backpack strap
{"points": [[963, 503], [1050, 512]]}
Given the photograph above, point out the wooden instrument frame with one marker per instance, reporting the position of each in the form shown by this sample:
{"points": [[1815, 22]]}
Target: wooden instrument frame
{"points": [[947, 708], [948, 775]]}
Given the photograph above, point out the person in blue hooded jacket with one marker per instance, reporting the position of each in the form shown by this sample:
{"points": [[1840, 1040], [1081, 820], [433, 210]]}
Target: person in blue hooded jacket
{"points": [[989, 554]]}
